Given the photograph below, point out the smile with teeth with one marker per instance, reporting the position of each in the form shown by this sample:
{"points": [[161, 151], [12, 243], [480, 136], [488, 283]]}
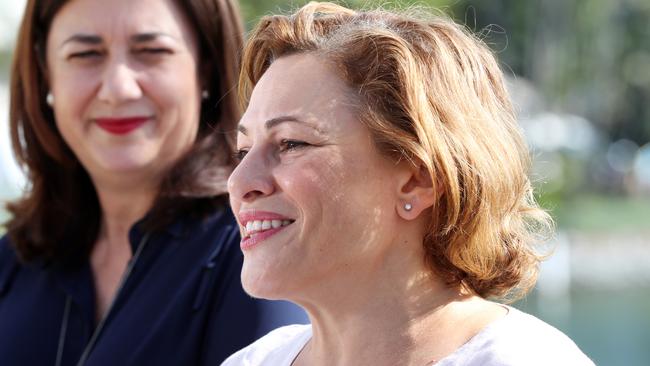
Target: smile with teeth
{"points": [[258, 226]]}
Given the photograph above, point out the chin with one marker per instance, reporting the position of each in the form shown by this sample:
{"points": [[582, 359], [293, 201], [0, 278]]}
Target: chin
{"points": [[262, 284], [125, 164], [124, 158]]}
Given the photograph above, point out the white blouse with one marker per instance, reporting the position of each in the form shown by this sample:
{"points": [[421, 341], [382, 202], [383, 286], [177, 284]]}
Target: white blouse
{"points": [[517, 339]]}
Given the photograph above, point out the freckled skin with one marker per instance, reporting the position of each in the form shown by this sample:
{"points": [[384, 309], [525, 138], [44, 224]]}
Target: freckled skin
{"points": [[330, 186]]}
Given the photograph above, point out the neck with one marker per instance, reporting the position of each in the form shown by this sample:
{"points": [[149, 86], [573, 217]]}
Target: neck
{"points": [[398, 313], [121, 209]]}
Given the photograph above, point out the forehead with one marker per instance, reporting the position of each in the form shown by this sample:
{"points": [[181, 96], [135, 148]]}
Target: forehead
{"points": [[118, 16], [301, 85]]}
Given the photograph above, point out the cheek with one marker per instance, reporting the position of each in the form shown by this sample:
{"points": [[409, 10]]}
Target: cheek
{"points": [[69, 117], [73, 92], [178, 92], [176, 98], [326, 191], [175, 81], [178, 102], [316, 182]]}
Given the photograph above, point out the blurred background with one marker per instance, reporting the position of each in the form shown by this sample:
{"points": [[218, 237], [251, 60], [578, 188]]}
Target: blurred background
{"points": [[579, 73]]}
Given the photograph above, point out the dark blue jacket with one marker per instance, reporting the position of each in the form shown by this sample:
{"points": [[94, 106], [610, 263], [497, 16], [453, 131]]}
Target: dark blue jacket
{"points": [[182, 304]]}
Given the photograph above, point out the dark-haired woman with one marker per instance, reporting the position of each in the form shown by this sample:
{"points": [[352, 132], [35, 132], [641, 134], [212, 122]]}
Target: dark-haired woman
{"points": [[123, 250]]}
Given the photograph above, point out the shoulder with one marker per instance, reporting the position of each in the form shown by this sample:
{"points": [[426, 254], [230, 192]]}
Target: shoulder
{"points": [[519, 339], [8, 264], [211, 234], [4, 245], [219, 226], [221, 232], [222, 216], [6, 249], [278, 348]]}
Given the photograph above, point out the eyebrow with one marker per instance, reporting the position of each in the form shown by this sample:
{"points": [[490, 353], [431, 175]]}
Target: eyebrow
{"points": [[92, 39], [279, 120], [148, 37]]}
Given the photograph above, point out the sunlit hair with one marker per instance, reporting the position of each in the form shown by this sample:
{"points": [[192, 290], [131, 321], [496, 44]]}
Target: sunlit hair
{"points": [[433, 94], [57, 219]]}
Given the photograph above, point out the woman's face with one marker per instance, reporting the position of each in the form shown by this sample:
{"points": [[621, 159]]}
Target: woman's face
{"points": [[123, 74], [314, 198]]}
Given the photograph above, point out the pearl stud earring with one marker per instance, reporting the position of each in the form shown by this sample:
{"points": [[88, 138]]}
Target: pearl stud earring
{"points": [[205, 94], [408, 207], [49, 99]]}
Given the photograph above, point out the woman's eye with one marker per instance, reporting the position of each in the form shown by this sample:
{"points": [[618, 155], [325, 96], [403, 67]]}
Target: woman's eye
{"points": [[154, 50], [85, 54], [289, 145], [240, 154]]}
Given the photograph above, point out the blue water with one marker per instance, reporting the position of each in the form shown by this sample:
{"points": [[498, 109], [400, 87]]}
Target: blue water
{"points": [[611, 326]]}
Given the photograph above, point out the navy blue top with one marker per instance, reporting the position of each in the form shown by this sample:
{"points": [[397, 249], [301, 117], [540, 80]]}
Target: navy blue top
{"points": [[182, 304]]}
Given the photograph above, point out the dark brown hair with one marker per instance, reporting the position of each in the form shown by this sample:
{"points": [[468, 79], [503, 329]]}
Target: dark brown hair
{"points": [[58, 217], [433, 94]]}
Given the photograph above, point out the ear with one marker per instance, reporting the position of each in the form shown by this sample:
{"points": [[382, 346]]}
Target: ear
{"points": [[417, 191], [205, 74]]}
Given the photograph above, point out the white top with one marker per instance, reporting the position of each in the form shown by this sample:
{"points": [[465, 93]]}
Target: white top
{"points": [[514, 340]]}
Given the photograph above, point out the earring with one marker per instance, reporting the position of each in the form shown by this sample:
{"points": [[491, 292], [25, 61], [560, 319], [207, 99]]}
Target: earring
{"points": [[49, 99], [408, 207], [205, 94]]}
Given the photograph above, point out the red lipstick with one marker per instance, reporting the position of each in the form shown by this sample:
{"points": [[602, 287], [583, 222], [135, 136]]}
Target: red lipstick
{"points": [[121, 126]]}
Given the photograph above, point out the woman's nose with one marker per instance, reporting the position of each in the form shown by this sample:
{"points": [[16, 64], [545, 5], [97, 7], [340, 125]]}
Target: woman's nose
{"points": [[119, 83], [251, 179]]}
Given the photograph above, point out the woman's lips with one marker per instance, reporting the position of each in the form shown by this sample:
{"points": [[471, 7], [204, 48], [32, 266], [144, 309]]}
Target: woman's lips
{"points": [[260, 225], [121, 126], [254, 239]]}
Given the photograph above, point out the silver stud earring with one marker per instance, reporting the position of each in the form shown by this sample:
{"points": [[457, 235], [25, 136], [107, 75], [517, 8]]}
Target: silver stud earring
{"points": [[408, 207], [205, 94], [49, 99]]}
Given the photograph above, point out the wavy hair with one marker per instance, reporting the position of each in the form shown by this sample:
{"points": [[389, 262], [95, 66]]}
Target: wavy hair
{"points": [[431, 93]]}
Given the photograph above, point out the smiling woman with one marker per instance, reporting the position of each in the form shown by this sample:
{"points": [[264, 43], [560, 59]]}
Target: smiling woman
{"points": [[306, 160], [123, 250], [125, 92], [385, 149]]}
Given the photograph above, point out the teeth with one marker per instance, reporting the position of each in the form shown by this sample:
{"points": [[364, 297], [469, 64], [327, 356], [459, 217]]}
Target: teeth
{"points": [[263, 225]]}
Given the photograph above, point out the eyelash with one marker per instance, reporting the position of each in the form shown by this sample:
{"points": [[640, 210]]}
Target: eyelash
{"points": [[286, 145], [93, 53], [239, 155], [154, 50], [85, 54]]}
